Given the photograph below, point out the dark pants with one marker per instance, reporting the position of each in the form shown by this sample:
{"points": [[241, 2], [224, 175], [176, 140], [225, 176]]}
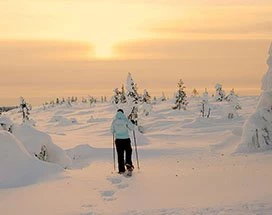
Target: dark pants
{"points": [[123, 146]]}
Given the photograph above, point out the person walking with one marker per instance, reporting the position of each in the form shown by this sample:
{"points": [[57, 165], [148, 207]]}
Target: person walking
{"points": [[120, 129]]}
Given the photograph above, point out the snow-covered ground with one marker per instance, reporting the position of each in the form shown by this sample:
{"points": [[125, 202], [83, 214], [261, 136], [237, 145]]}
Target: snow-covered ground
{"points": [[188, 164]]}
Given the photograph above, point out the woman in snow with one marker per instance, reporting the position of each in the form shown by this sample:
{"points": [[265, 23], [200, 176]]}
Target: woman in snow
{"points": [[120, 127]]}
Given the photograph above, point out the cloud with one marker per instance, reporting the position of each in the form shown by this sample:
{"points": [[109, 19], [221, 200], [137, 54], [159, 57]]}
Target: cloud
{"points": [[177, 27], [191, 49], [38, 50], [217, 21]]}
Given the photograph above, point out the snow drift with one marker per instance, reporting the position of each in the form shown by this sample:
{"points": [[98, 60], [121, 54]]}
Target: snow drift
{"points": [[18, 167], [63, 121], [33, 140]]}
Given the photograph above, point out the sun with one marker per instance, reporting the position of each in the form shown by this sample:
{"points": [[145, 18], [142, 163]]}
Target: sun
{"points": [[102, 48], [103, 52]]}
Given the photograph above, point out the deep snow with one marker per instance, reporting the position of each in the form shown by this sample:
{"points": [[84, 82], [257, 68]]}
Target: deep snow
{"points": [[188, 164]]}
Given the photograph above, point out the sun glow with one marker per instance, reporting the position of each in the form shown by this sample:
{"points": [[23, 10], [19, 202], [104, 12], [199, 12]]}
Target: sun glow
{"points": [[102, 49], [103, 52]]}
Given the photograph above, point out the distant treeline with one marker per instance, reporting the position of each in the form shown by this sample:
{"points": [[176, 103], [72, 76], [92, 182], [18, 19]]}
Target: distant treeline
{"points": [[5, 109]]}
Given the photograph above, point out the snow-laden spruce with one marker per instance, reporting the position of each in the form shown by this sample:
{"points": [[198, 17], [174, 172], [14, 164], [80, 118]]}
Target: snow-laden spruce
{"points": [[146, 103], [24, 108], [132, 90], [195, 93], [205, 110], [116, 96], [219, 93], [257, 130], [123, 95], [163, 97], [132, 99], [181, 97], [119, 96], [234, 105]]}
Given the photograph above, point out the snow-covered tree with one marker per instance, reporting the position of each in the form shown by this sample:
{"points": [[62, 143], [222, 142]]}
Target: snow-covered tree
{"points": [[133, 116], [123, 95], [24, 108], [146, 97], [62, 101], [257, 131], [205, 106], [69, 103], [146, 103], [92, 100], [119, 96], [116, 96], [43, 155], [234, 104], [132, 99], [163, 98], [52, 103], [73, 99], [220, 93], [195, 93], [181, 97], [132, 93]]}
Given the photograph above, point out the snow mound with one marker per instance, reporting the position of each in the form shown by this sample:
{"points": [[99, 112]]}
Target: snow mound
{"points": [[92, 119], [5, 123], [80, 152], [5, 120], [17, 167], [33, 141], [63, 120]]}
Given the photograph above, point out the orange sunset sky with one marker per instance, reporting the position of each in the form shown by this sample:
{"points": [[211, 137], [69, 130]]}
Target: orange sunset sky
{"points": [[52, 48]]}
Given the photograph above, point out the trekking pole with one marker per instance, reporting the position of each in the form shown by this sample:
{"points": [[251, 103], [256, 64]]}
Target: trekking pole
{"points": [[113, 152], [136, 151]]}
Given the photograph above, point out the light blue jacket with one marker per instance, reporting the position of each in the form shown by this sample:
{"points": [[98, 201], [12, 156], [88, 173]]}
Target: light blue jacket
{"points": [[120, 126]]}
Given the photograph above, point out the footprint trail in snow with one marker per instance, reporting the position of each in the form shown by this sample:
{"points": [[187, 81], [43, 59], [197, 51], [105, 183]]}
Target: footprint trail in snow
{"points": [[118, 182]]}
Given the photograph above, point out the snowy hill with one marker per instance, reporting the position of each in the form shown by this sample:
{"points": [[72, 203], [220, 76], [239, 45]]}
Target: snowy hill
{"points": [[188, 164]]}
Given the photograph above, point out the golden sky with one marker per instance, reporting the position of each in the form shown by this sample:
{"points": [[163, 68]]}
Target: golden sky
{"points": [[53, 47]]}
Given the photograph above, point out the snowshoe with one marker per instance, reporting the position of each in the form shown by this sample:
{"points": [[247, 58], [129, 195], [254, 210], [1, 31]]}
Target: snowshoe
{"points": [[128, 173], [129, 167]]}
